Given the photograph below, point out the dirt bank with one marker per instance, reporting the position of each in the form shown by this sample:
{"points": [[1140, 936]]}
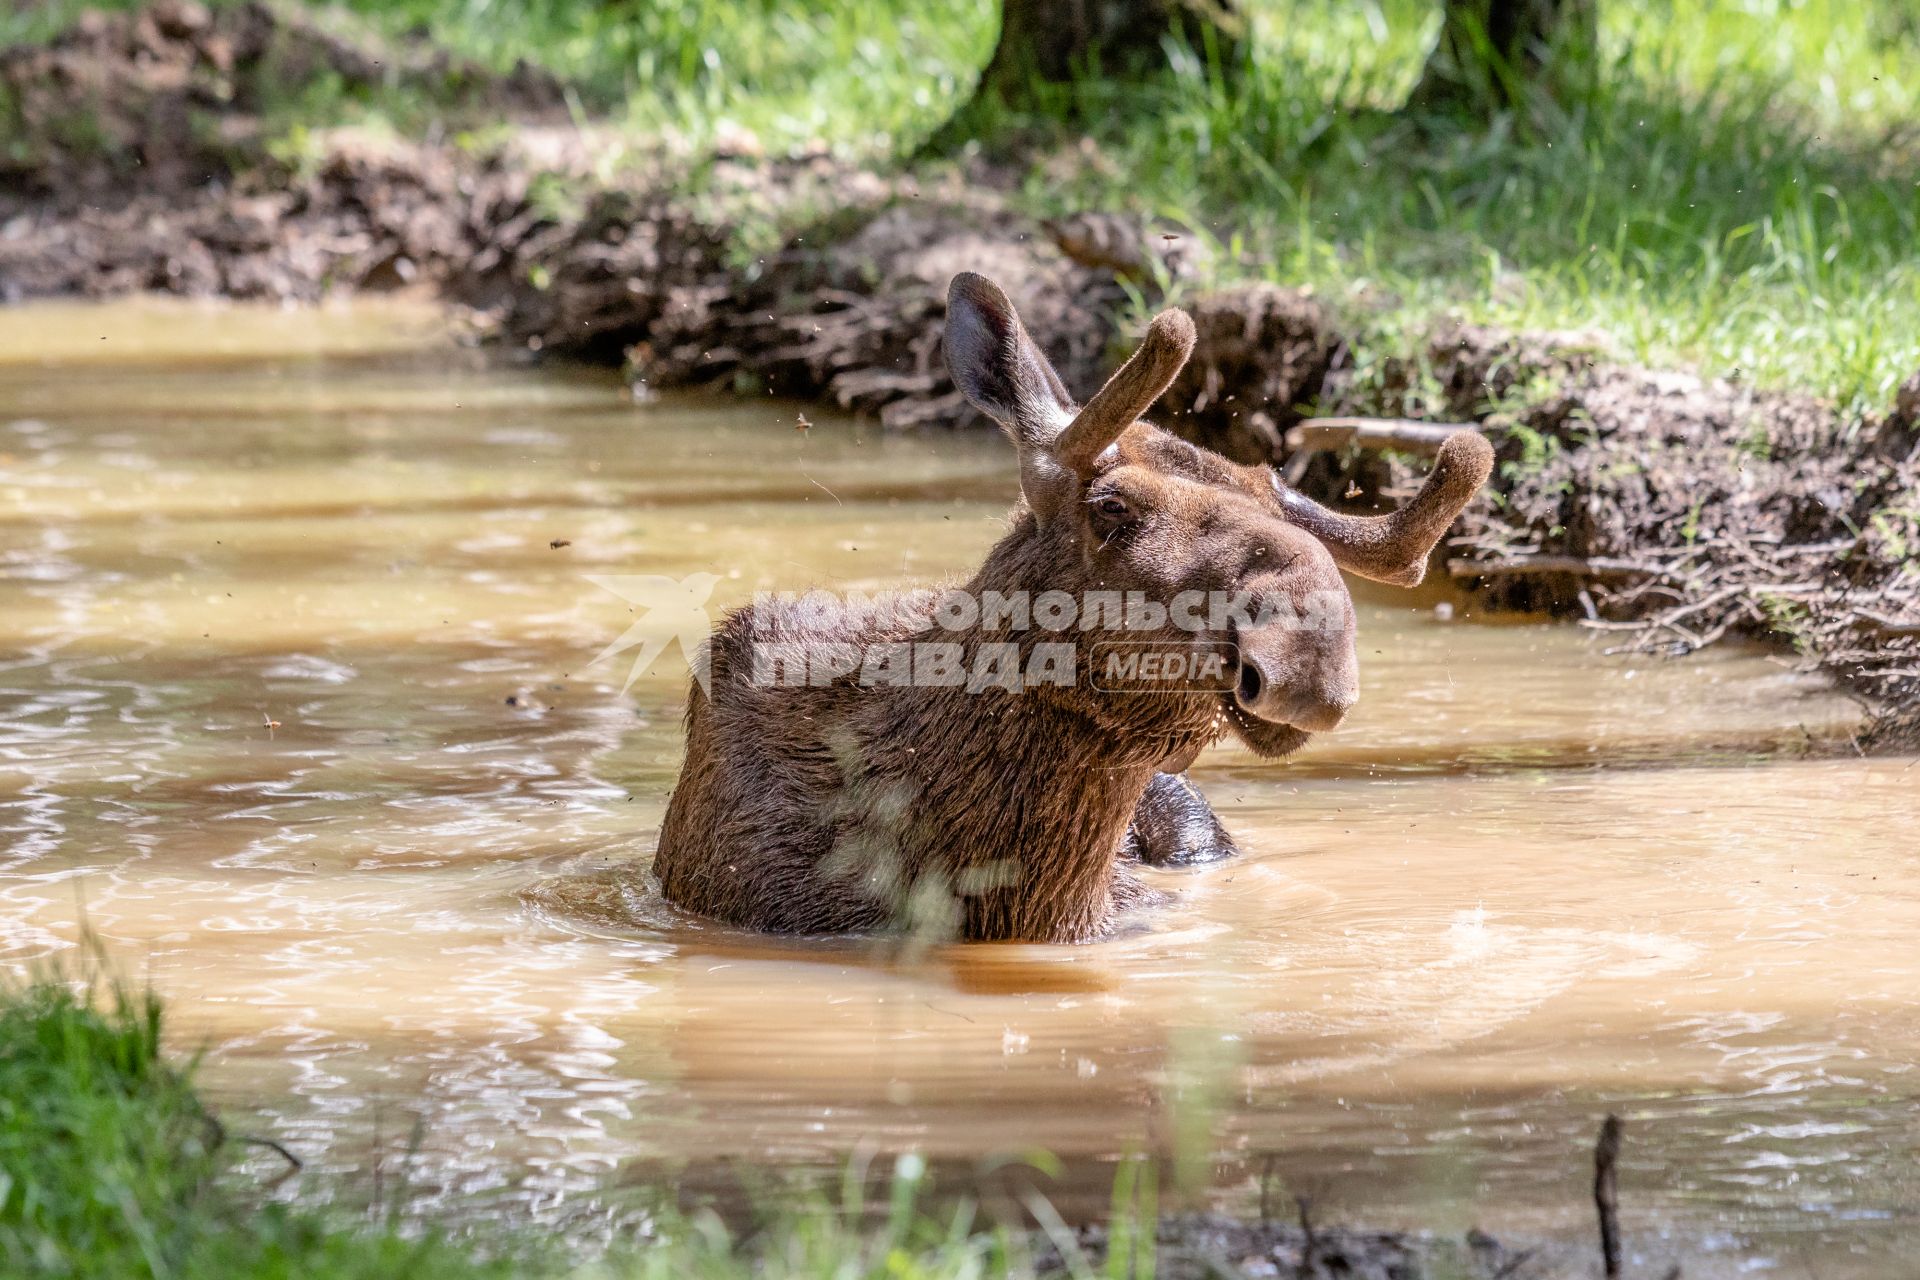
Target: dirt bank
{"points": [[1671, 509], [1203, 1246], [1677, 510], [172, 98], [138, 158]]}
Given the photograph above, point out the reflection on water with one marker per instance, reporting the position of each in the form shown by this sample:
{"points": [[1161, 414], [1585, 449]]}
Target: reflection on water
{"points": [[299, 713]]}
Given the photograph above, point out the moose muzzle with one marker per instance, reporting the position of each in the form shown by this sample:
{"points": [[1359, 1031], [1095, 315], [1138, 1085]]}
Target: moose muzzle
{"points": [[1304, 687], [1298, 664]]}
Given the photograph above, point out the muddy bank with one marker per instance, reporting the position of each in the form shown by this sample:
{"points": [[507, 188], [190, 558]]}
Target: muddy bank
{"points": [[1677, 510], [1672, 509], [139, 158], [1203, 1246], [173, 97]]}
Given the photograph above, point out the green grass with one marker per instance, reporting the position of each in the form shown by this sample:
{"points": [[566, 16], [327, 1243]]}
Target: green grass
{"points": [[1736, 192], [865, 76], [110, 1167]]}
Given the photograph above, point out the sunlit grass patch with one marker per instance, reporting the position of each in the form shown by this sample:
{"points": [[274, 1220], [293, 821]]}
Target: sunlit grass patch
{"points": [[865, 77], [1703, 204]]}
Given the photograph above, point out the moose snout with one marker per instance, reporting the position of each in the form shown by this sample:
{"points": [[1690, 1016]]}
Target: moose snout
{"points": [[1299, 666], [1277, 692], [1303, 675]]}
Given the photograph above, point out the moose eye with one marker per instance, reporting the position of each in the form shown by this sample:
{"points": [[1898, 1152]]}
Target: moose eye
{"points": [[1111, 506]]}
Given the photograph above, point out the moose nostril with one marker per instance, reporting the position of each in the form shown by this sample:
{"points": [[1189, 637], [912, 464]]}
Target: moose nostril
{"points": [[1250, 685]]}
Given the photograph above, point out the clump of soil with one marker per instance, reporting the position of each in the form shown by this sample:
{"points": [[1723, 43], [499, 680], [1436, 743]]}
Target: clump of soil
{"points": [[626, 270], [1263, 352], [1202, 1246], [857, 318], [1677, 510], [171, 95], [134, 160]]}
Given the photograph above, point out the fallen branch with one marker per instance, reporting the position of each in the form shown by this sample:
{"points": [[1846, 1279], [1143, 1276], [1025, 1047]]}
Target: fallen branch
{"points": [[295, 1163], [1317, 435], [1421, 438], [1575, 566], [217, 1135], [1310, 1248]]}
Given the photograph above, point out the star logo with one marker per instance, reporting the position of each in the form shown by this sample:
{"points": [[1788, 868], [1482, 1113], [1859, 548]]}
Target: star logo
{"points": [[671, 609]]}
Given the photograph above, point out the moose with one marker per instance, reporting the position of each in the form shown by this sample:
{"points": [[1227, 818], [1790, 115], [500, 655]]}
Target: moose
{"points": [[1012, 810]]}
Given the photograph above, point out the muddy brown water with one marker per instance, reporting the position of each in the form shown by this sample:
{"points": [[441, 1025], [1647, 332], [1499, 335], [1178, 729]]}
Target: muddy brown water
{"points": [[301, 713]]}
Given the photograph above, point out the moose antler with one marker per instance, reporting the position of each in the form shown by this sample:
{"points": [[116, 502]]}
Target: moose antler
{"points": [[1393, 548], [1129, 393]]}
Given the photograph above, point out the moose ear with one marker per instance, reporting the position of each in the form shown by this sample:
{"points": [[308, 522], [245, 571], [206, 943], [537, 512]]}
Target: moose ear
{"points": [[998, 367]]}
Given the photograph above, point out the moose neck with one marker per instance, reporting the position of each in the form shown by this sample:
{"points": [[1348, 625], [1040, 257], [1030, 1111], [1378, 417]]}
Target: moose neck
{"points": [[1032, 561], [1034, 788], [1029, 846]]}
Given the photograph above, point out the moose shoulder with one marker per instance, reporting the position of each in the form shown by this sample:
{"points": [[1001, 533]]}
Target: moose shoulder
{"points": [[987, 782]]}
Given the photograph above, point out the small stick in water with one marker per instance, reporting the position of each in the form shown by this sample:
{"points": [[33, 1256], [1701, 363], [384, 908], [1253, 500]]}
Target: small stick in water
{"points": [[1266, 1190], [1606, 1153], [1310, 1248]]}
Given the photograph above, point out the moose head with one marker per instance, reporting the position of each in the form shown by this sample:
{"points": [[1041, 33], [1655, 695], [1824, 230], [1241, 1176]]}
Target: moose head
{"points": [[834, 803], [1118, 504]]}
